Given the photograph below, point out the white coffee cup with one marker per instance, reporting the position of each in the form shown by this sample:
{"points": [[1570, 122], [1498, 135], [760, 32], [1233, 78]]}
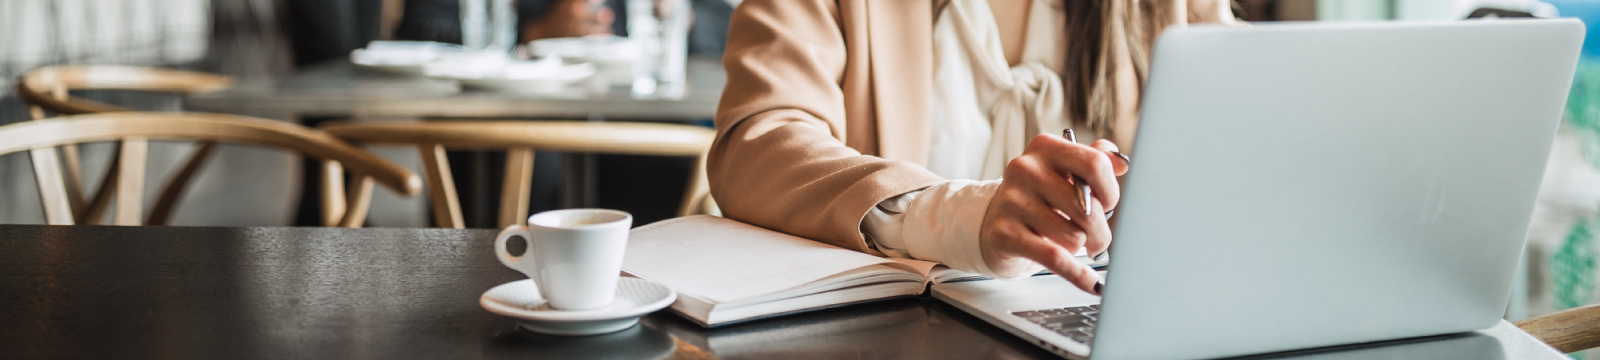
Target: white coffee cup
{"points": [[574, 256]]}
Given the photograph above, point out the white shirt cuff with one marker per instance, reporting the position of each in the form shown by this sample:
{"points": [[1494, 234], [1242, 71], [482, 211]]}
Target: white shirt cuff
{"points": [[940, 223]]}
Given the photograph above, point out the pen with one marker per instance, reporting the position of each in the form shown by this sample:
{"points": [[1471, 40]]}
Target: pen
{"points": [[1083, 195], [1083, 186]]}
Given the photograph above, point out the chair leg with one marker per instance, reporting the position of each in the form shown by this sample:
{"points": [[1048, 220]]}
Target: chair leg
{"points": [[333, 197], [360, 200], [441, 187], [72, 165], [161, 213], [130, 181], [52, 190], [516, 187], [91, 212]]}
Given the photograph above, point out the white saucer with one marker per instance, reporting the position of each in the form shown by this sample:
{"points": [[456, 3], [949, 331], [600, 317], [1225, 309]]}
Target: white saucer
{"points": [[521, 300], [551, 75]]}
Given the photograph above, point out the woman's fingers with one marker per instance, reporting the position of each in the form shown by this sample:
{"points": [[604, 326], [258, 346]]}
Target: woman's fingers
{"points": [[1060, 262], [1040, 178], [1039, 216], [1046, 222], [1037, 179], [1093, 238], [1097, 232], [1068, 227], [1090, 164], [1090, 233], [1118, 161]]}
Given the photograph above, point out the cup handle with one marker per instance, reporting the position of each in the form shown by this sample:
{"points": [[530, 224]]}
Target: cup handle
{"points": [[505, 256]]}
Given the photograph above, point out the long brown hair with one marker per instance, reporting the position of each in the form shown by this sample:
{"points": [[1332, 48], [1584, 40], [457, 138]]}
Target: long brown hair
{"points": [[1103, 35]]}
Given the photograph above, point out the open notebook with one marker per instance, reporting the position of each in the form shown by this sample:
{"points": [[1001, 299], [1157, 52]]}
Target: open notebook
{"points": [[726, 271]]}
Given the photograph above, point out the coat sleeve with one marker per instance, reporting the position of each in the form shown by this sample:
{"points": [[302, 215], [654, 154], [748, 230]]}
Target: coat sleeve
{"points": [[780, 159]]}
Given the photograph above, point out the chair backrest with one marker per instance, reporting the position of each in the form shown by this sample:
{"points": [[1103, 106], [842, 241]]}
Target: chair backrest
{"points": [[520, 139], [141, 127], [1571, 330], [47, 87], [45, 90]]}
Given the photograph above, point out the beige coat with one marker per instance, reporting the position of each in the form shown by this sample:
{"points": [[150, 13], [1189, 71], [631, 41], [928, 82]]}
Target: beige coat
{"points": [[825, 113]]}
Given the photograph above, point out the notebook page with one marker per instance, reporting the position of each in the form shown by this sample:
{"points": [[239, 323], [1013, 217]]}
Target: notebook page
{"points": [[923, 268], [723, 260]]}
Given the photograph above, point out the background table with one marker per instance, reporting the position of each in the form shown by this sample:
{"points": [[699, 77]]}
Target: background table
{"points": [[339, 89], [290, 293]]}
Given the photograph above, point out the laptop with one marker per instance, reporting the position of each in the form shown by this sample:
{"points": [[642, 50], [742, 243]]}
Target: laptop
{"points": [[1308, 185]]}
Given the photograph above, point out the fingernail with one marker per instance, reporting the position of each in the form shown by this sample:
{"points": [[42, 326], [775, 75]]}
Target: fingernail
{"points": [[1098, 286], [1124, 157], [1110, 213]]}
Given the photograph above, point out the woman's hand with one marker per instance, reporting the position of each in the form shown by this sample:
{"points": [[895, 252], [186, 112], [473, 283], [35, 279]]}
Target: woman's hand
{"points": [[1036, 215]]}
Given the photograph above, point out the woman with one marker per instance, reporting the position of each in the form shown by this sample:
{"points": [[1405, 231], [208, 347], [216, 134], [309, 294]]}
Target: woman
{"points": [[885, 126]]}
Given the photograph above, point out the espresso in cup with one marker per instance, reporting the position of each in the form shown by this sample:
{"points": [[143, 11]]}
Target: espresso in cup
{"points": [[574, 256]]}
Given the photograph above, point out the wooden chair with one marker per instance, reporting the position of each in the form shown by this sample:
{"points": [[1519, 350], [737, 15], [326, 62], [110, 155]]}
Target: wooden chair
{"points": [[137, 128], [1571, 330], [520, 139], [45, 90]]}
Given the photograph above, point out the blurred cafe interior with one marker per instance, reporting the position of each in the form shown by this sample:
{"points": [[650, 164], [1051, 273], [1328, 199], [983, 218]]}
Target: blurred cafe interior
{"points": [[323, 178]]}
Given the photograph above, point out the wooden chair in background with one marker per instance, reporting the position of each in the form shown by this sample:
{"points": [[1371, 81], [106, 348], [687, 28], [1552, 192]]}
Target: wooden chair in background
{"points": [[520, 139], [137, 128], [46, 91], [1571, 330]]}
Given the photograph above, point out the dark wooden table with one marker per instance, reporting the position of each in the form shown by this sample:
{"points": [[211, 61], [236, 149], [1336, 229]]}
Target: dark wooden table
{"points": [[320, 293]]}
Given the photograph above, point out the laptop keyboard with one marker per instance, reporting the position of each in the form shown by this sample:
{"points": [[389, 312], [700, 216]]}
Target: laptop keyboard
{"points": [[1076, 323]]}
